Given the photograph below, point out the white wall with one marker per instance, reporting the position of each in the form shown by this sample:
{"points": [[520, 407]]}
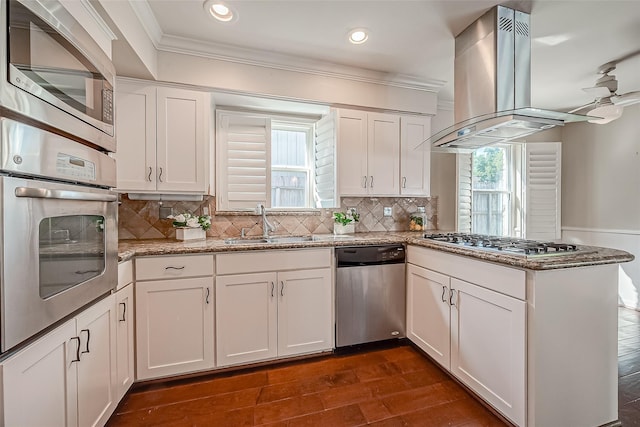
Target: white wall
{"points": [[292, 84], [601, 191], [443, 175]]}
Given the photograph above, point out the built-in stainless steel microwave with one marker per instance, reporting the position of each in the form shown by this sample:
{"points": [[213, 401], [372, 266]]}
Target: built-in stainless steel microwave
{"points": [[54, 73]]}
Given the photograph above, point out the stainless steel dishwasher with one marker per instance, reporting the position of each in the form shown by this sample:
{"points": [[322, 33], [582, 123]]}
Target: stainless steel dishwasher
{"points": [[370, 294]]}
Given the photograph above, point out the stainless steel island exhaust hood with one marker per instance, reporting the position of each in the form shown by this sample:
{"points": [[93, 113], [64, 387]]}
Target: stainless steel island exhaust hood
{"points": [[492, 85]]}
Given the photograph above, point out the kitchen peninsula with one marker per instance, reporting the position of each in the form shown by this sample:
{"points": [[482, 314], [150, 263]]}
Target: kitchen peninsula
{"points": [[534, 336]]}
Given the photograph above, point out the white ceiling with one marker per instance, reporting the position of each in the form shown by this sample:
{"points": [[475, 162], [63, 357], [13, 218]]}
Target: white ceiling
{"points": [[414, 39]]}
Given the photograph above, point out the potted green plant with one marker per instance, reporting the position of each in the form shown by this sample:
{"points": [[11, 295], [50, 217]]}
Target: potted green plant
{"points": [[191, 227], [344, 222]]}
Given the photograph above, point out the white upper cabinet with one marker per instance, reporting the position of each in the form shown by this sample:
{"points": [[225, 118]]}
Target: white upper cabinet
{"points": [[415, 157], [368, 153], [163, 139], [380, 154]]}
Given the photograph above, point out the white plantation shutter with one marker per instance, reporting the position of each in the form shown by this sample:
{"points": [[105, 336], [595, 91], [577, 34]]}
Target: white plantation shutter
{"points": [[464, 196], [325, 161], [243, 147], [542, 164]]}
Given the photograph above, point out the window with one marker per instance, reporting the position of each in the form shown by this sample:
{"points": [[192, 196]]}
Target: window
{"points": [[291, 165], [278, 161], [491, 189], [510, 190]]}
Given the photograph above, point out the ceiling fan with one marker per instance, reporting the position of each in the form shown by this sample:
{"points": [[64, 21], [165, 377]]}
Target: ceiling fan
{"points": [[607, 103]]}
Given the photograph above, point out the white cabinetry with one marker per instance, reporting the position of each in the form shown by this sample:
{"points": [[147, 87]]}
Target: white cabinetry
{"points": [[415, 157], [273, 304], [125, 318], [163, 139], [368, 153], [482, 324], [174, 315], [67, 377]]}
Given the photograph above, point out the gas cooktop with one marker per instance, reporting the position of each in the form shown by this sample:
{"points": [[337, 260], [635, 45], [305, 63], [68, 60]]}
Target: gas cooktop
{"points": [[507, 245]]}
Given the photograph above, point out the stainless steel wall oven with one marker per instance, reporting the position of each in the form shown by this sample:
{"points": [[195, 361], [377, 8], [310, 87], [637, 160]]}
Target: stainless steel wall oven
{"points": [[54, 72], [58, 222]]}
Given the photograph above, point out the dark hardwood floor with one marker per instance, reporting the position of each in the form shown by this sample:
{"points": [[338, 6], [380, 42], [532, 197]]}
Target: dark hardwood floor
{"points": [[386, 387], [629, 367]]}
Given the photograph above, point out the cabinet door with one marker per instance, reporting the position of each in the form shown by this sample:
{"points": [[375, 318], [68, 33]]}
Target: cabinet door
{"points": [[353, 178], [304, 311], [39, 382], [125, 349], [97, 366], [488, 346], [182, 126], [174, 326], [428, 319], [383, 159], [246, 318], [136, 136], [415, 161]]}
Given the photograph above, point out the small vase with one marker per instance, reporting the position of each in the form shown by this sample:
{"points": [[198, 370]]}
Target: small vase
{"points": [[343, 229], [189, 233]]}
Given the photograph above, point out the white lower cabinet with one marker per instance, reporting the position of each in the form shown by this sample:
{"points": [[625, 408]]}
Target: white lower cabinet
{"points": [[174, 316], [125, 342], [271, 314], [475, 332], [67, 377]]}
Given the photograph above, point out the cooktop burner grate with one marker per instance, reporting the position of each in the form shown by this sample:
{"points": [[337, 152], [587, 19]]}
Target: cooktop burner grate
{"points": [[505, 244]]}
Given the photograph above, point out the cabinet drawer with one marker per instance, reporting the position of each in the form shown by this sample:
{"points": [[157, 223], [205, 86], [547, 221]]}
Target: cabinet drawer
{"points": [[125, 274], [278, 260], [506, 280], [169, 267]]}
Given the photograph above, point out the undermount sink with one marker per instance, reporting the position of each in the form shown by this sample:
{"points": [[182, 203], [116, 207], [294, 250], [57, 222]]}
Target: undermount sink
{"points": [[234, 241], [273, 239], [290, 239]]}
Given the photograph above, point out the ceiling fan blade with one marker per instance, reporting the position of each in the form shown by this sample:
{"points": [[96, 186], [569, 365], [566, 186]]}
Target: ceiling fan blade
{"points": [[582, 107], [626, 99], [597, 91]]}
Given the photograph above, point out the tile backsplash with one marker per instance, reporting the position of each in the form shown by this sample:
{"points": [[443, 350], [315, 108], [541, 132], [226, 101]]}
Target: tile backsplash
{"points": [[140, 219]]}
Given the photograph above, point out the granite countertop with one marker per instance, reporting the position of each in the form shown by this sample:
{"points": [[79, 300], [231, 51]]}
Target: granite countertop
{"points": [[587, 255]]}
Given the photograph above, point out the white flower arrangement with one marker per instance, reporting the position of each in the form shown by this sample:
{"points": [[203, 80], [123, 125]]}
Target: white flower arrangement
{"points": [[187, 220]]}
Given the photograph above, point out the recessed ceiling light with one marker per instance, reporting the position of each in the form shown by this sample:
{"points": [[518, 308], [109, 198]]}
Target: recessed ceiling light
{"points": [[220, 10], [358, 35]]}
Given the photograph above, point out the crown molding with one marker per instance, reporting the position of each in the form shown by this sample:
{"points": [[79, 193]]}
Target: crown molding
{"points": [[99, 21], [241, 55], [445, 105], [148, 20]]}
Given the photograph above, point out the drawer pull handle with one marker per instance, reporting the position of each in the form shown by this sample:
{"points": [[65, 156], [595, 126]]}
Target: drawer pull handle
{"points": [[160, 176], [77, 359], [442, 297], [451, 303], [281, 288], [124, 311], [364, 180], [371, 186], [404, 182], [174, 268], [273, 286], [207, 297], [88, 339], [149, 177]]}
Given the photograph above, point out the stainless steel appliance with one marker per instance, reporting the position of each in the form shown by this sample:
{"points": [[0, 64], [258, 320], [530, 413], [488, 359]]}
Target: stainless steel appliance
{"points": [[54, 72], [58, 223], [506, 245], [492, 85], [370, 294]]}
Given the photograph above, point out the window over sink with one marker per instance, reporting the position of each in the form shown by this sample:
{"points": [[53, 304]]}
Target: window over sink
{"points": [[283, 161]]}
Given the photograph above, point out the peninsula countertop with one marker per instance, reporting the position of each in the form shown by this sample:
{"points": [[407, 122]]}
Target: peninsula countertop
{"points": [[586, 256]]}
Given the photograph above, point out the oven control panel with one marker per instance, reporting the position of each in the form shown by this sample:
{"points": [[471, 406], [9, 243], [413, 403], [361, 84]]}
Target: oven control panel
{"points": [[75, 168]]}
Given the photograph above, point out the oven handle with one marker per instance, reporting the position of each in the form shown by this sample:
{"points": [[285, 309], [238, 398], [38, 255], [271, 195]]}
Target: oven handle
{"points": [[44, 193]]}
